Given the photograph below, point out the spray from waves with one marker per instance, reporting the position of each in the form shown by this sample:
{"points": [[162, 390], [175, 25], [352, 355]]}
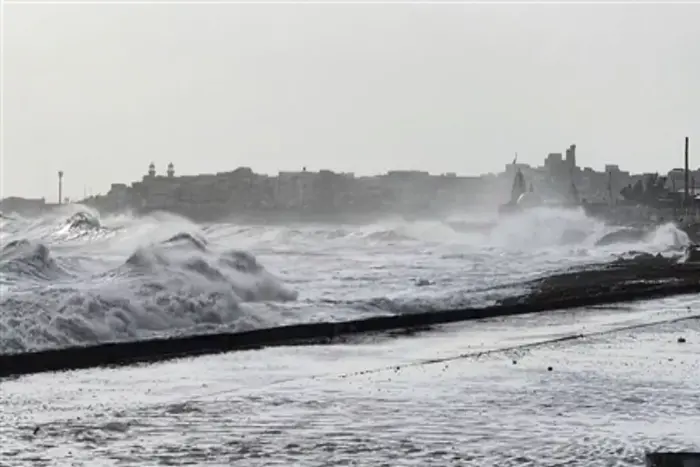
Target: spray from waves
{"points": [[530, 230], [188, 257], [439, 265], [547, 228], [491, 257], [667, 236], [179, 284], [30, 261], [69, 222], [544, 240], [69, 280]]}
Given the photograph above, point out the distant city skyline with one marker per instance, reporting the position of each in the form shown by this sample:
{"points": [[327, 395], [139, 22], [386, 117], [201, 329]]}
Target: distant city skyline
{"points": [[100, 91], [89, 190]]}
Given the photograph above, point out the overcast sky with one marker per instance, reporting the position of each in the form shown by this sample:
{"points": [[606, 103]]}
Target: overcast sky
{"points": [[100, 91]]}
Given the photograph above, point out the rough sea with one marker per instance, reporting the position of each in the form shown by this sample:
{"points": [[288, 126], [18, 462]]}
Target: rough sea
{"points": [[503, 392]]}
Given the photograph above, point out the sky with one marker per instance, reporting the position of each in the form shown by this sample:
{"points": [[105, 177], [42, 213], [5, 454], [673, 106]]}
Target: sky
{"points": [[100, 91]]}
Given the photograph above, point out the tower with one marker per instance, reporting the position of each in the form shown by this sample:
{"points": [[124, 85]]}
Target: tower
{"points": [[152, 170], [171, 170], [571, 156], [60, 186]]}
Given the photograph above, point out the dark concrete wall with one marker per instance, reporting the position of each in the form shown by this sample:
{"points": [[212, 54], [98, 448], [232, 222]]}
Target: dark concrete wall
{"points": [[125, 353]]}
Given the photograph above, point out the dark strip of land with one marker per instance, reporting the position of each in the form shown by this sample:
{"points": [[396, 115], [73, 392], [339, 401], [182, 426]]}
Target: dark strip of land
{"points": [[622, 281], [673, 459]]}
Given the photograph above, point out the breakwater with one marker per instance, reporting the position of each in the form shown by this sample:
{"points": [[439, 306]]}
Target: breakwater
{"points": [[642, 278]]}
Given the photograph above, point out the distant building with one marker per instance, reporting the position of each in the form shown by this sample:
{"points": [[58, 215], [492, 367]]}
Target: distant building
{"points": [[213, 196], [23, 205], [571, 157]]}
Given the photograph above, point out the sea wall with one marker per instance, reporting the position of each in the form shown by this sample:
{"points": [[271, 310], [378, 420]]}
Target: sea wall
{"points": [[625, 281]]}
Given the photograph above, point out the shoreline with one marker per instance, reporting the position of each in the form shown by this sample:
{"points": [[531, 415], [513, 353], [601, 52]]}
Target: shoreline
{"points": [[624, 281]]}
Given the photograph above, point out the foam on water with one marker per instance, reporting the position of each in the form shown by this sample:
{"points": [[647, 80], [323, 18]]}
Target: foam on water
{"points": [[72, 277], [469, 394]]}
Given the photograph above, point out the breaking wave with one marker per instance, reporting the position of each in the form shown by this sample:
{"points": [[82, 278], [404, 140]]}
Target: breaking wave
{"points": [[165, 285], [72, 277], [24, 259]]}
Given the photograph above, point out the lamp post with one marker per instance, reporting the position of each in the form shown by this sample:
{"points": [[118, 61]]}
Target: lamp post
{"points": [[60, 187]]}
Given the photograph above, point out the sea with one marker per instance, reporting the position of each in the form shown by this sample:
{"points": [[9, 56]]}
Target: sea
{"points": [[589, 387]]}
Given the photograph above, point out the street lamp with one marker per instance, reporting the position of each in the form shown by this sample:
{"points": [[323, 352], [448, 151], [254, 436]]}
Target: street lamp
{"points": [[60, 186]]}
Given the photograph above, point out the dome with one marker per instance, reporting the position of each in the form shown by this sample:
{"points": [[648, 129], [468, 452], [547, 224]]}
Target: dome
{"points": [[529, 199]]}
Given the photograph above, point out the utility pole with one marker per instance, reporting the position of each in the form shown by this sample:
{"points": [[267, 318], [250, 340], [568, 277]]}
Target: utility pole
{"points": [[687, 173], [688, 203], [60, 187]]}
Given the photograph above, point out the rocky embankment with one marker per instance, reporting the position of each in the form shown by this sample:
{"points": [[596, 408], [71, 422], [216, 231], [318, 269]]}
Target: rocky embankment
{"points": [[642, 277]]}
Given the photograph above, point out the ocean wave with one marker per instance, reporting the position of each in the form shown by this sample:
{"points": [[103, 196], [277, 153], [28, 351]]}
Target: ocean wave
{"points": [[73, 277], [27, 260], [178, 283]]}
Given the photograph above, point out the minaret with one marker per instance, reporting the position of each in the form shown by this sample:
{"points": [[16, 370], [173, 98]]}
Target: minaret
{"points": [[152, 170], [60, 186], [171, 170]]}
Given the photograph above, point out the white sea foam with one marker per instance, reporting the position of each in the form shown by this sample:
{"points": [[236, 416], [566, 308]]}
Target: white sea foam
{"points": [[74, 277]]}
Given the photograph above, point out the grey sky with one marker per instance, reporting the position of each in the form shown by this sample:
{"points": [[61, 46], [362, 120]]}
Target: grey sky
{"points": [[102, 90]]}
